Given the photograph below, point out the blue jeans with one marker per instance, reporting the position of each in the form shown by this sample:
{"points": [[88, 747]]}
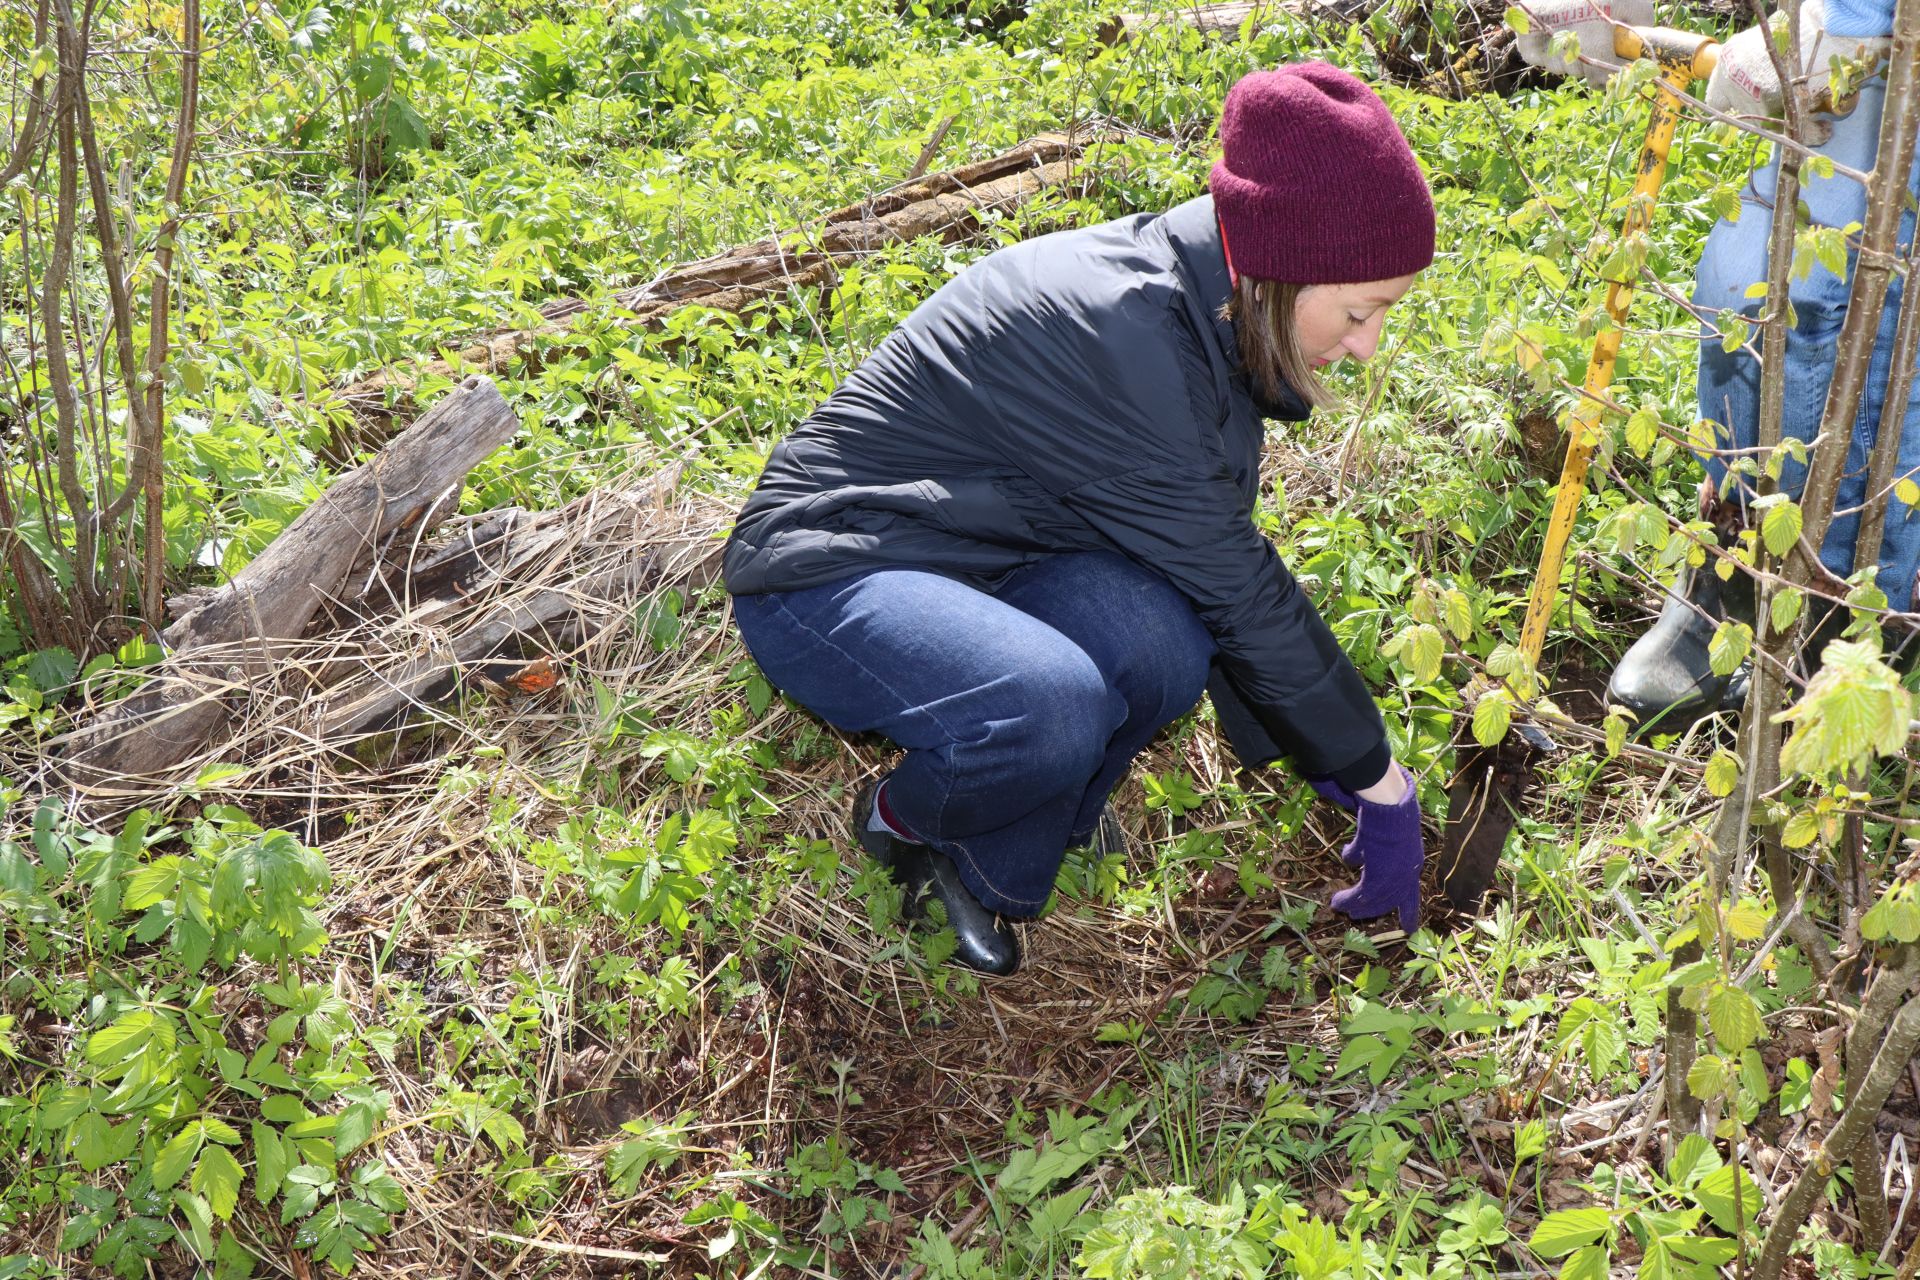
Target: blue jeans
{"points": [[1729, 382], [1020, 708]]}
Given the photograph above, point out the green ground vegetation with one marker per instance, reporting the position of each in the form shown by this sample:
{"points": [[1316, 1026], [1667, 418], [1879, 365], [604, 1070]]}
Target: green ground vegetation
{"points": [[594, 983]]}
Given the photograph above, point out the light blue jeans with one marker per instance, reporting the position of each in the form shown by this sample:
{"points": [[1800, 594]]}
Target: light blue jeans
{"points": [[1735, 257]]}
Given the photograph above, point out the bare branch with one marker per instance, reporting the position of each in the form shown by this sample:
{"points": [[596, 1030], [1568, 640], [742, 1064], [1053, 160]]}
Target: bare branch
{"points": [[27, 140], [1899, 122], [1893, 421]]}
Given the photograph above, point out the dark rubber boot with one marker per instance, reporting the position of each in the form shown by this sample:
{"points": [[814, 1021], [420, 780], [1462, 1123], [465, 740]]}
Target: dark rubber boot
{"points": [[1107, 838], [1666, 673], [986, 940]]}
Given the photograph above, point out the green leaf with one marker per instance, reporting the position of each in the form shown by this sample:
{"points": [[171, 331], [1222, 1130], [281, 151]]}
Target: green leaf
{"points": [[1530, 1140], [355, 1127], [1780, 528], [218, 1130], [1643, 429], [52, 670], [1715, 1194], [46, 838], [282, 1108], [1801, 830], [199, 1216], [1561, 1233], [270, 1162], [1616, 727], [216, 773], [1854, 709], [1895, 917], [1517, 20], [218, 1177], [129, 1035], [174, 1158], [1708, 1077], [1598, 1032], [1492, 716], [1747, 920], [1693, 1158], [1509, 664], [1587, 1263], [1732, 642], [92, 1142], [1784, 609], [1907, 491], [1723, 773], [1422, 651], [1734, 1017]]}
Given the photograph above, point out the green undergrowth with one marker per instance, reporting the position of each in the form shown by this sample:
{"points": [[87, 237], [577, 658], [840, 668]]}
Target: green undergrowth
{"points": [[224, 1043]]}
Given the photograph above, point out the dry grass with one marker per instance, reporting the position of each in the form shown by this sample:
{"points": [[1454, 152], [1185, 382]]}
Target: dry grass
{"points": [[429, 833], [805, 991]]}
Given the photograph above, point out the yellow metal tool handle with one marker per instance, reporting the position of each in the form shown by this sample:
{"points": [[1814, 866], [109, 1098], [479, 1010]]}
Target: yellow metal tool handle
{"points": [[1683, 57], [1675, 50]]}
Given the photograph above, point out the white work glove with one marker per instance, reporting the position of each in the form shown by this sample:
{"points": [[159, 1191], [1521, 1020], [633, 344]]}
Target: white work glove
{"points": [[1744, 83], [1590, 20]]}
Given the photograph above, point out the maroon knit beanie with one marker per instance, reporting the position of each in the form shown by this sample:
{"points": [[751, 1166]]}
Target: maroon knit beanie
{"points": [[1317, 185]]}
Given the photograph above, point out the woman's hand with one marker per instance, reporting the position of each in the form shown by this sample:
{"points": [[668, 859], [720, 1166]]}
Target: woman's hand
{"points": [[1389, 789], [1328, 789], [1388, 849]]}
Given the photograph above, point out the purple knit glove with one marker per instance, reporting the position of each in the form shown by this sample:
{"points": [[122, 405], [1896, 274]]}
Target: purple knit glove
{"points": [[1328, 789], [1388, 849]]}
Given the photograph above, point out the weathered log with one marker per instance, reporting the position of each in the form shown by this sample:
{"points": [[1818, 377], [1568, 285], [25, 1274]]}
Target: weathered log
{"points": [[226, 648], [946, 204], [1222, 20], [551, 585]]}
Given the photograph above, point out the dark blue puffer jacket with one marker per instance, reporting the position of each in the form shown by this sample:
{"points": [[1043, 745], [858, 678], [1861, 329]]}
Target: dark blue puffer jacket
{"points": [[1074, 392]]}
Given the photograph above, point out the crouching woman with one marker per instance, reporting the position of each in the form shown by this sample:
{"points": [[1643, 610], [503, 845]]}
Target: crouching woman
{"points": [[1018, 540]]}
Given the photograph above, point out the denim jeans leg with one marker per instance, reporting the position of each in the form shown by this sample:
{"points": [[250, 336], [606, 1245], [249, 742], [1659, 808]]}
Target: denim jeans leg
{"points": [[1143, 635], [1735, 257], [1003, 718]]}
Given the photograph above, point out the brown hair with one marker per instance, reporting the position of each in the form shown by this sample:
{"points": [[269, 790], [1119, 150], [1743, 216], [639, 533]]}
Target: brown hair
{"points": [[1262, 316]]}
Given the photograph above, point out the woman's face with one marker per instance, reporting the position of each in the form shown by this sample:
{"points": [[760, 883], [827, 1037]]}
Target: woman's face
{"points": [[1334, 321]]}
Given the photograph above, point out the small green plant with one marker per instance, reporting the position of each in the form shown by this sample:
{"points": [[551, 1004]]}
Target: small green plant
{"points": [[1667, 1219]]}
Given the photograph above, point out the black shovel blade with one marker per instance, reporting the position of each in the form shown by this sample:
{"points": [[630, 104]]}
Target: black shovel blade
{"points": [[1482, 804]]}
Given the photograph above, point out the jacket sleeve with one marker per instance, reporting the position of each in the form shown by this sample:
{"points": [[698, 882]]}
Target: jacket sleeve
{"points": [[1275, 651], [1114, 406], [1860, 18]]}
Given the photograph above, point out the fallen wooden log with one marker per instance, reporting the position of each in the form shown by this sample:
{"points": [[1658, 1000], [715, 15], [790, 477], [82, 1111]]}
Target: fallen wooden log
{"points": [[508, 604], [550, 586], [947, 204], [229, 642], [1226, 21]]}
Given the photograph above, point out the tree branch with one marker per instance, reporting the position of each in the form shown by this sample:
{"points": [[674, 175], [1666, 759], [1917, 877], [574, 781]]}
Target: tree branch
{"points": [[1899, 122], [27, 140], [1863, 1108]]}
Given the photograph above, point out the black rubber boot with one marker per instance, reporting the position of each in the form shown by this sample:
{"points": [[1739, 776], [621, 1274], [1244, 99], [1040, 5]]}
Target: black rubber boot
{"points": [[1107, 838], [986, 940], [1665, 677]]}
